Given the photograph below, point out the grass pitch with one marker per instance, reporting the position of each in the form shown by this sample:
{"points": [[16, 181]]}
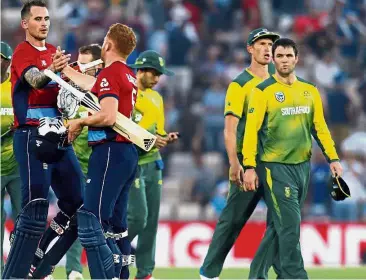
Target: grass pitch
{"points": [[235, 273]]}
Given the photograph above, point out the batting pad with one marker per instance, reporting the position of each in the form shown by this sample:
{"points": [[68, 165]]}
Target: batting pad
{"points": [[29, 227]]}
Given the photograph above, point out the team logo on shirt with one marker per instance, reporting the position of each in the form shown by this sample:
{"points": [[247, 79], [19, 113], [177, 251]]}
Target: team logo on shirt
{"points": [[43, 62], [280, 97], [307, 94]]}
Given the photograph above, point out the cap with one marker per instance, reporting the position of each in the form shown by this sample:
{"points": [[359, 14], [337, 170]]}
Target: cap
{"points": [[261, 33], [6, 50], [338, 188], [151, 59]]}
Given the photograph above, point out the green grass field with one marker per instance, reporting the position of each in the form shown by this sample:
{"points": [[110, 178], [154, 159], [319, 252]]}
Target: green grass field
{"points": [[234, 273]]}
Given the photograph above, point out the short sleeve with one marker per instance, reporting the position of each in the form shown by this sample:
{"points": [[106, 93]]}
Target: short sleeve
{"points": [[234, 101], [106, 84], [22, 61]]}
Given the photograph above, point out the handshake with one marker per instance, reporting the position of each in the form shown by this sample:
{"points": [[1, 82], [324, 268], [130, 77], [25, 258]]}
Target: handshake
{"points": [[59, 60]]}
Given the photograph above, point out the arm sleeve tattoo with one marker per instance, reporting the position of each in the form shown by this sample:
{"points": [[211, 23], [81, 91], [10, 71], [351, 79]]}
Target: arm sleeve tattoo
{"points": [[37, 79]]}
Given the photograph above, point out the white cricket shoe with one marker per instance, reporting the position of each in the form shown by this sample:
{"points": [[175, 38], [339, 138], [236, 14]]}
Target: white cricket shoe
{"points": [[75, 275], [206, 278]]}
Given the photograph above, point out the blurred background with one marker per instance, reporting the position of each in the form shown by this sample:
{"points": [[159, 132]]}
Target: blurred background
{"points": [[204, 42]]}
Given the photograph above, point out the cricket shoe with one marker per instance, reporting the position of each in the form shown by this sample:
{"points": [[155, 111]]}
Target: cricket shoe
{"points": [[149, 277], [48, 277], [75, 275], [206, 278]]}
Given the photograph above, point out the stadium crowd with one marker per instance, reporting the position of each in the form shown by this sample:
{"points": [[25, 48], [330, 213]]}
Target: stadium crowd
{"points": [[204, 43]]}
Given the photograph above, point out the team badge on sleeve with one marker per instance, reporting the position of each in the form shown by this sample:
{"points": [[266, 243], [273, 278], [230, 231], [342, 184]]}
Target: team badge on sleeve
{"points": [[280, 97]]}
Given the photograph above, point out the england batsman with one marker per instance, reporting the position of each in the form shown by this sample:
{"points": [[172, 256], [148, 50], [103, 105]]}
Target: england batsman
{"points": [[283, 113], [145, 194], [240, 204], [34, 97], [102, 221], [10, 179]]}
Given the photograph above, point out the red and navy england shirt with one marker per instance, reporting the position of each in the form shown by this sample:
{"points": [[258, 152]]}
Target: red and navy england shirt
{"points": [[117, 81], [31, 104]]}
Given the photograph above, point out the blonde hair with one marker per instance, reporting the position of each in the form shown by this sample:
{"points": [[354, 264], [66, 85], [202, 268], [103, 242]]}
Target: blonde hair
{"points": [[123, 37]]}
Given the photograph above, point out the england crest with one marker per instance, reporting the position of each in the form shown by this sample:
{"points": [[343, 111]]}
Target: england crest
{"points": [[280, 97]]}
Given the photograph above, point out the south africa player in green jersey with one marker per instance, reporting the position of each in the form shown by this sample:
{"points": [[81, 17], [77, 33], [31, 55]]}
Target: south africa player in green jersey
{"points": [[240, 204], [10, 180], [145, 194], [283, 113]]}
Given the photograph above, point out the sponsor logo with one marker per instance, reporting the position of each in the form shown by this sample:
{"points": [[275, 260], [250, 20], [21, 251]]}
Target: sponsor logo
{"points": [[280, 96], [6, 111], [287, 192], [298, 110], [104, 83], [307, 94], [148, 143], [38, 143]]}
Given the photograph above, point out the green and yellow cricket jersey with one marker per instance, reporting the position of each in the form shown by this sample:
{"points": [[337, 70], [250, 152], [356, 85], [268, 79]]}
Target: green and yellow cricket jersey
{"points": [[82, 150], [236, 101], [8, 162], [281, 118], [149, 113]]}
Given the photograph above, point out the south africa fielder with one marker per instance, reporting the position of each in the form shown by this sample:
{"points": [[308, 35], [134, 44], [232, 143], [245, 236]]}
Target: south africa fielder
{"points": [[145, 194], [241, 204], [10, 179], [283, 113]]}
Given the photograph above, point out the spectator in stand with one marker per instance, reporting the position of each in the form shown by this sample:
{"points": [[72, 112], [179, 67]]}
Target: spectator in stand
{"points": [[339, 109], [349, 209], [325, 71], [213, 104]]}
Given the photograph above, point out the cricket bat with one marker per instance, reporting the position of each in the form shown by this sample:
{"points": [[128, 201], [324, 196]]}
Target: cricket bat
{"points": [[123, 126]]}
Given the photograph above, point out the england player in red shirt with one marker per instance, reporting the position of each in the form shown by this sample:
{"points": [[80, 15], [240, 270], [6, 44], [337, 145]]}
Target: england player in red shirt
{"points": [[34, 97], [102, 229]]}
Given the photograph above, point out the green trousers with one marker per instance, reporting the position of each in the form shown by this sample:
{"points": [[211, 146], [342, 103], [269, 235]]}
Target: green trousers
{"points": [[285, 188], [11, 185], [239, 207], [73, 258], [143, 215]]}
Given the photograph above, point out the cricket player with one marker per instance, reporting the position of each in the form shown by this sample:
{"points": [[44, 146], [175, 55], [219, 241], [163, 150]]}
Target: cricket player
{"points": [[240, 204], [283, 113], [34, 97], [86, 55], [102, 221], [10, 179], [145, 194]]}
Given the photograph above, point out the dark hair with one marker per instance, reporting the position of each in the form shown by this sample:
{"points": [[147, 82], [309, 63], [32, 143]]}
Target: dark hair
{"points": [[286, 43], [29, 4], [94, 49]]}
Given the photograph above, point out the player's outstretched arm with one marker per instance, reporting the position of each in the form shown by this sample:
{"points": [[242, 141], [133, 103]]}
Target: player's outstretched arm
{"points": [[37, 79], [86, 82]]}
